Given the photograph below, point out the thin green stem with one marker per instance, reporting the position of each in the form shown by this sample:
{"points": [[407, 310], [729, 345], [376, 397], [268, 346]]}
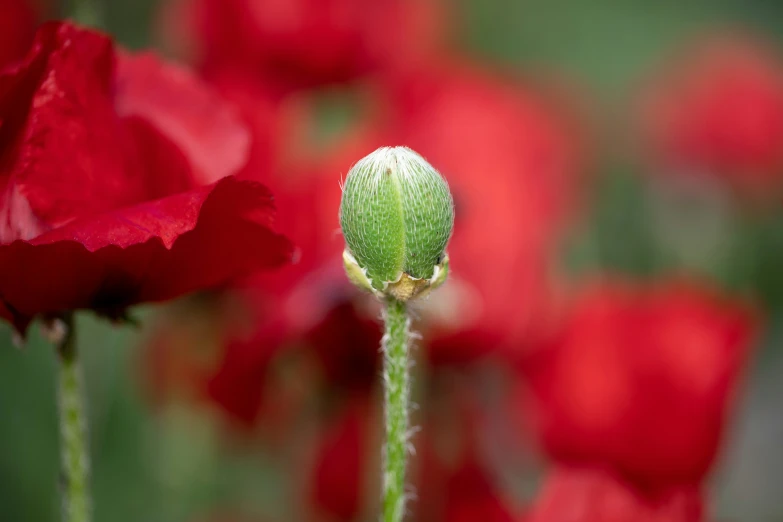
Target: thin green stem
{"points": [[396, 376], [74, 457]]}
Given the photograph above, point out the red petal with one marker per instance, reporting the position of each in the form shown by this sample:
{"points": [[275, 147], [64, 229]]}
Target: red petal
{"points": [[204, 126], [150, 252], [336, 488], [62, 149], [641, 380], [18, 19], [572, 495]]}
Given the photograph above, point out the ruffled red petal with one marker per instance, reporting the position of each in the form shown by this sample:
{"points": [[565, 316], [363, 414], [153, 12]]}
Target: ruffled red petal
{"points": [[149, 252], [205, 127], [63, 149]]}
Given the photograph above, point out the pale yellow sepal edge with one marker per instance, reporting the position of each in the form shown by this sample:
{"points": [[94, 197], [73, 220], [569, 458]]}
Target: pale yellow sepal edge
{"points": [[404, 288]]}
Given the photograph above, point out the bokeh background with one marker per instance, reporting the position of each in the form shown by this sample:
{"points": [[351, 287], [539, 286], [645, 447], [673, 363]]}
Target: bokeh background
{"points": [[613, 184]]}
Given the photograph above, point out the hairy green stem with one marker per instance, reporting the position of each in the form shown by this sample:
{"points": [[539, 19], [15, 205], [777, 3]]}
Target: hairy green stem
{"points": [[396, 376], [74, 457]]}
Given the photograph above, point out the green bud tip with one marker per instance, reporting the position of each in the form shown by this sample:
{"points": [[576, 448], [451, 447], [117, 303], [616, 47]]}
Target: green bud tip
{"points": [[397, 215]]}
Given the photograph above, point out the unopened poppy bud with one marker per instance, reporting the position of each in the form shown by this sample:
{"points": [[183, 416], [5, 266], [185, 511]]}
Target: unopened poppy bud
{"points": [[397, 215]]}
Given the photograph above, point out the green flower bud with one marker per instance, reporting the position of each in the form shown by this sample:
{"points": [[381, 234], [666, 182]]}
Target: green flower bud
{"points": [[397, 216]]}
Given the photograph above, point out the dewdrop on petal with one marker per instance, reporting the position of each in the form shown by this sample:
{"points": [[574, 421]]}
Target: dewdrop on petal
{"points": [[397, 215]]}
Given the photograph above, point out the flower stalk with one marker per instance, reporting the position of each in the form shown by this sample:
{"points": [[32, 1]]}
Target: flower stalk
{"points": [[74, 456], [396, 377], [397, 216]]}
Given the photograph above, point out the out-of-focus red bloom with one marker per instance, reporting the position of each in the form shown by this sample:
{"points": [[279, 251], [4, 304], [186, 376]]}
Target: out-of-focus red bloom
{"points": [[271, 115], [591, 495], [238, 383], [343, 346], [341, 465], [460, 491], [115, 186], [451, 472], [305, 42], [237, 342], [510, 160], [640, 380], [471, 495], [449, 480], [18, 19], [347, 345], [719, 110]]}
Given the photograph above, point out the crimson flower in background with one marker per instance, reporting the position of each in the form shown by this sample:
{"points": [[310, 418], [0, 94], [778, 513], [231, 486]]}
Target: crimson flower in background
{"points": [[640, 380], [304, 43], [450, 479], [18, 19], [343, 462], [719, 111], [342, 346], [592, 495], [115, 182], [462, 493]]}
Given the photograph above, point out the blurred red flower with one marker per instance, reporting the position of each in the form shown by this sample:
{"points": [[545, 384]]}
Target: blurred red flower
{"points": [[18, 19], [115, 182], [304, 43], [640, 380], [472, 495], [591, 495], [341, 464], [719, 110], [342, 346], [448, 479], [454, 472]]}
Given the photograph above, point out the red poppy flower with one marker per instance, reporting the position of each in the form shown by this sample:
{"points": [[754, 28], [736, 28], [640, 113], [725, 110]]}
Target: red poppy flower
{"points": [[591, 495], [114, 181], [453, 472], [640, 380], [304, 42], [18, 19], [719, 110]]}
